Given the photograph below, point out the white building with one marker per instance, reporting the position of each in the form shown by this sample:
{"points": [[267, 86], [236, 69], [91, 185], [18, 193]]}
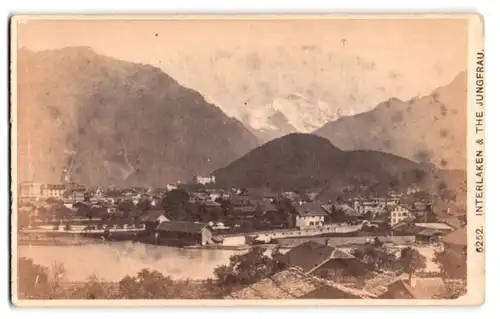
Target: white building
{"points": [[412, 190], [53, 190], [309, 215], [374, 206], [397, 214], [203, 180], [170, 187], [99, 192], [30, 190]]}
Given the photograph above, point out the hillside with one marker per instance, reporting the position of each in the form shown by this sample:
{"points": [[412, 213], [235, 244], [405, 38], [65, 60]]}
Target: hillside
{"points": [[116, 122], [295, 158], [305, 161], [428, 129]]}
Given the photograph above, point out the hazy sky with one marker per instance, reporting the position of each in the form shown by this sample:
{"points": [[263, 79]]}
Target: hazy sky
{"points": [[243, 64]]}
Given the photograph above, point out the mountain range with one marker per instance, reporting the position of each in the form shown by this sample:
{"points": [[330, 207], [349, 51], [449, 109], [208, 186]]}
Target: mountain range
{"points": [[428, 129], [305, 161], [113, 122], [109, 121]]}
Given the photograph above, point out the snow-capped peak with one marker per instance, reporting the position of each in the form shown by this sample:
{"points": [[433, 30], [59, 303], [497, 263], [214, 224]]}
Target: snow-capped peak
{"points": [[294, 112], [304, 114]]}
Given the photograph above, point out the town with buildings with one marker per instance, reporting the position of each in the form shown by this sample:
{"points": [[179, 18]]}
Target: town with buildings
{"points": [[323, 239]]}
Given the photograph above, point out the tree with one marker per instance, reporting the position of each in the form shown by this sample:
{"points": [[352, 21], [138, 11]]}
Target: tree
{"points": [[274, 218], [338, 214], [126, 206], [207, 213], [62, 212], [286, 210], [430, 214], [57, 275], [377, 243], [375, 256], [226, 206], [147, 284], [24, 218], [96, 212], [452, 264], [83, 211], [32, 279], [248, 268], [78, 205], [411, 261], [144, 204], [462, 219], [246, 225], [225, 275], [94, 289], [87, 196], [177, 206]]}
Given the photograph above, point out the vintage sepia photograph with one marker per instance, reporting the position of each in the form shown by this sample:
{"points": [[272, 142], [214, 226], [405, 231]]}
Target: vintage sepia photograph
{"points": [[247, 160]]}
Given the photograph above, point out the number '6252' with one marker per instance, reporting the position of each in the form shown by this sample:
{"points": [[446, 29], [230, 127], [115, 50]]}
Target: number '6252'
{"points": [[479, 240]]}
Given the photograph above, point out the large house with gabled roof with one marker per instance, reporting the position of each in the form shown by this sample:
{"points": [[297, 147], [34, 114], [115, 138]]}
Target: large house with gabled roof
{"points": [[309, 215]]}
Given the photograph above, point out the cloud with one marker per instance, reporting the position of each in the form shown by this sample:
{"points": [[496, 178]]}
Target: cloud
{"points": [[267, 93], [222, 55], [310, 48], [394, 75], [364, 64], [253, 61]]}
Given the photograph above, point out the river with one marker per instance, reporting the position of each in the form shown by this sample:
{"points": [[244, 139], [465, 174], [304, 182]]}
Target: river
{"points": [[112, 261]]}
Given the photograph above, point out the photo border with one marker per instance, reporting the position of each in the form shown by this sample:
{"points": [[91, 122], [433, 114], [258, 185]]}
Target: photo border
{"points": [[475, 294]]}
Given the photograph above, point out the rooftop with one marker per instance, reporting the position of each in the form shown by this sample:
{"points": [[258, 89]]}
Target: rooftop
{"points": [[440, 226], [430, 232], [54, 186], [422, 288], [309, 209], [181, 227], [240, 200], [151, 216], [329, 292], [451, 221], [292, 283], [211, 203], [311, 255], [245, 209], [394, 206], [269, 207], [346, 208], [458, 238]]}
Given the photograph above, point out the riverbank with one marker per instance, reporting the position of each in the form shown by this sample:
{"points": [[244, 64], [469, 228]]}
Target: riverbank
{"points": [[112, 290], [112, 261]]}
